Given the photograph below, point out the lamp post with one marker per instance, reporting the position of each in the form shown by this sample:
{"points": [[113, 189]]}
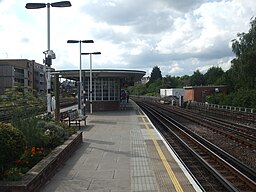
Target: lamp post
{"points": [[49, 54], [93, 53], [80, 72]]}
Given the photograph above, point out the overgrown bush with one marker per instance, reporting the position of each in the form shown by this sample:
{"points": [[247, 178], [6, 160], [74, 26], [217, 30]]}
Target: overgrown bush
{"points": [[12, 146], [35, 137], [56, 134], [241, 98]]}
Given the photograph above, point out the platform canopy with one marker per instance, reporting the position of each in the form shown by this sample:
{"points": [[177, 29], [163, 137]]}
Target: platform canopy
{"points": [[128, 75]]}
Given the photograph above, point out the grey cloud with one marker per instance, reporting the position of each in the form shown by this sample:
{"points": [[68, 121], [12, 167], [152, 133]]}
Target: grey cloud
{"points": [[183, 5], [219, 50], [153, 23], [121, 13], [25, 40], [130, 12], [110, 35], [148, 20]]}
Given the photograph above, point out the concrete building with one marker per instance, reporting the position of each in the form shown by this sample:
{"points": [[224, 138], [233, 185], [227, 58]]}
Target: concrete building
{"points": [[199, 93], [106, 85], [171, 92], [22, 72]]}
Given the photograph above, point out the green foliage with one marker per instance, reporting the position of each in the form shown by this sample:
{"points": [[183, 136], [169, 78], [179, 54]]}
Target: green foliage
{"points": [[34, 136], [214, 76], [21, 102], [197, 79], [56, 134], [243, 67], [13, 174], [241, 98], [12, 146], [154, 88], [69, 129], [138, 89], [170, 82], [155, 74]]}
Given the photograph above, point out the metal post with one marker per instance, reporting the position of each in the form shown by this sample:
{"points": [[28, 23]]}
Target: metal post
{"points": [[91, 83], [49, 54], [80, 81], [48, 68], [57, 96]]}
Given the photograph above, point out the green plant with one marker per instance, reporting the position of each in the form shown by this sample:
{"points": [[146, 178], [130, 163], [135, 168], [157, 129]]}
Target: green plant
{"points": [[21, 102], [70, 130], [13, 174], [31, 157], [56, 134], [12, 146], [34, 136]]}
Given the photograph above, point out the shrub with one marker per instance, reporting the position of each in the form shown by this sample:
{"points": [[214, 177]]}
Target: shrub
{"points": [[56, 134], [34, 136], [69, 129], [12, 145]]}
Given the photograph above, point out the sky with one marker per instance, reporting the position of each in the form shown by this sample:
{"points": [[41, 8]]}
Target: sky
{"points": [[179, 37]]}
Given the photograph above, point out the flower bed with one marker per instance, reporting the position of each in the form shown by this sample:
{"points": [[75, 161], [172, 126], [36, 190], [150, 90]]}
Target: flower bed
{"points": [[45, 169]]}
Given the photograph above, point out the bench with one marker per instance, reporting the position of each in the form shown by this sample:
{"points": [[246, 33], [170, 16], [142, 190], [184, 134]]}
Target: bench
{"points": [[73, 118]]}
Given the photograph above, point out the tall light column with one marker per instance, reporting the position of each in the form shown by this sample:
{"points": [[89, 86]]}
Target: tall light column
{"points": [[80, 72], [93, 53], [49, 54]]}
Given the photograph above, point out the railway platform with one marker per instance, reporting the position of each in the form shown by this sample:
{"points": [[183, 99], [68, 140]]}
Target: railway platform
{"points": [[121, 152]]}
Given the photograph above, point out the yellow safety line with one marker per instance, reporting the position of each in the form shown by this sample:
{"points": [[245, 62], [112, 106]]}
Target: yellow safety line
{"points": [[164, 160]]}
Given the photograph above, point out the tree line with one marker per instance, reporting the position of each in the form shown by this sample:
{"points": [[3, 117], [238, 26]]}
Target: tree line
{"points": [[240, 78]]}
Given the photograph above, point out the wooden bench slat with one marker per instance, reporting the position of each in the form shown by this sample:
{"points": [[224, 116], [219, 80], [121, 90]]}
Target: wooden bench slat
{"points": [[73, 118]]}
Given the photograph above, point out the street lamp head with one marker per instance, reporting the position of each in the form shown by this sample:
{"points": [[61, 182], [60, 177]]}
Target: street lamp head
{"points": [[87, 41], [43, 5], [96, 53], [35, 5], [93, 53], [72, 41], [78, 41], [61, 4]]}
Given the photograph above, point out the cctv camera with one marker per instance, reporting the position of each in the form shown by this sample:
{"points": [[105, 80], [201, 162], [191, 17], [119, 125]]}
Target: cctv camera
{"points": [[50, 54]]}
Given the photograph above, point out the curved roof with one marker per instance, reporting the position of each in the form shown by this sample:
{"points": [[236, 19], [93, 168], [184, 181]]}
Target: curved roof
{"points": [[130, 75]]}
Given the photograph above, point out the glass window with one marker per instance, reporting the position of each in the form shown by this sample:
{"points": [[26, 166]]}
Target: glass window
{"points": [[103, 89], [98, 90]]}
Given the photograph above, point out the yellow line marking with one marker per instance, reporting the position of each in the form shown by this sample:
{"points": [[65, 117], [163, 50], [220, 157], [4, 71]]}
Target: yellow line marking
{"points": [[164, 160]]}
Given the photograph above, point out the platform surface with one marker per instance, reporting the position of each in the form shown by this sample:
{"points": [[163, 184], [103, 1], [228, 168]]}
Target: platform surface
{"points": [[121, 152]]}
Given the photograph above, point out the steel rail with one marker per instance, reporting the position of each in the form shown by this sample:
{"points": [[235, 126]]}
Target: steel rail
{"points": [[231, 168]]}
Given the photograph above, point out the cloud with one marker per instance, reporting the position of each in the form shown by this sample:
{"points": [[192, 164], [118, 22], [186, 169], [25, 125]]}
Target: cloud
{"points": [[178, 36]]}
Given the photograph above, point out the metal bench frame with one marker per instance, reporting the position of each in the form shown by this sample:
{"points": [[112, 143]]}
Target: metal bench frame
{"points": [[73, 118]]}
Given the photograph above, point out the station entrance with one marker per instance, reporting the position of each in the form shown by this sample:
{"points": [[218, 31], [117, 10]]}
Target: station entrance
{"points": [[105, 87]]}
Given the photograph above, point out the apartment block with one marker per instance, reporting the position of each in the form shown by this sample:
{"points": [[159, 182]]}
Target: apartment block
{"points": [[22, 72]]}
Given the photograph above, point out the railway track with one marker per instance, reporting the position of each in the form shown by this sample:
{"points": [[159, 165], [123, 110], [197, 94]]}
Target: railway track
{"points": [[4, 111], [241, 117], [239, 133], [215, 169]]}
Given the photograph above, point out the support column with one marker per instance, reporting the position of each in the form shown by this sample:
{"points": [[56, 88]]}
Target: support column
{"points": [[57, 97]]}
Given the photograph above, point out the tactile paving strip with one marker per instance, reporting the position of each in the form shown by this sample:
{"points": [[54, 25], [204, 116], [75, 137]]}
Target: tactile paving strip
{"points": [[142, 176]]}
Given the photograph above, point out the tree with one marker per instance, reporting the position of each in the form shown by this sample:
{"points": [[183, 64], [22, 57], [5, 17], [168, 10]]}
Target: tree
{"points": [[155, 74], [154, 88], [213, 75], [138, 89], [170, 82], [243, 66], [197, 79]]}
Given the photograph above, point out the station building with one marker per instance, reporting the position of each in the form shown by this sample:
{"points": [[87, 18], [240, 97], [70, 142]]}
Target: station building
{"points": [[199, 93], [106, 85]]}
